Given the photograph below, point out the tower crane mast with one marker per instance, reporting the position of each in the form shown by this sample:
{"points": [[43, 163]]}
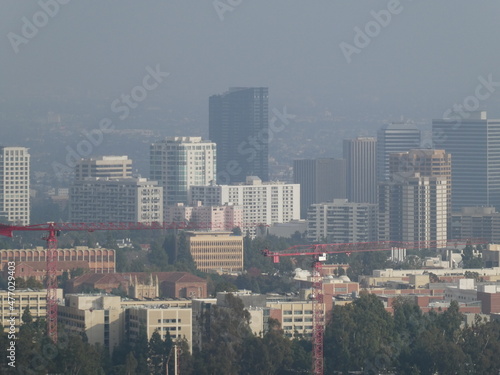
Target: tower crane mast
{"points": [[319, 253], [52, 232]]}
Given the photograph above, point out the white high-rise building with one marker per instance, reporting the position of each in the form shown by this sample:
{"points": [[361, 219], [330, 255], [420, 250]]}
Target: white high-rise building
{"points": [[178, 163], [264, 203], [15, 185], [104, 166]]}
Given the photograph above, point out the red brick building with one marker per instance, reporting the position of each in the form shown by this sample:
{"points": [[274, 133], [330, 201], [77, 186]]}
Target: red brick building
{"points": [[35, 260]]}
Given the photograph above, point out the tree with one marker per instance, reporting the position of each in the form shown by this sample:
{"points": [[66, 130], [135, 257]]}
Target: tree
{"points": [[130, 364], [27, 318], [158, 257], [157, 354], [359, 337], [224, 332]]}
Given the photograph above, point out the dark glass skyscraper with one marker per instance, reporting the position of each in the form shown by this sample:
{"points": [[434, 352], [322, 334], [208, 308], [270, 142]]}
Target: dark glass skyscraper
{"points": [[321, 180], [474, 144], [239, 125]]}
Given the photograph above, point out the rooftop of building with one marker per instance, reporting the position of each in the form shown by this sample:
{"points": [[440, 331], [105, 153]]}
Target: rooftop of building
{"points": [[399, 126]]}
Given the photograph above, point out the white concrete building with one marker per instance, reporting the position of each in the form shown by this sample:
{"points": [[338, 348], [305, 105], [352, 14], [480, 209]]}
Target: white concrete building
{"points": [[116, 200], [341, 221], [178, 163], [15, 185], [264, 203], [218, 218], [104, 166]]}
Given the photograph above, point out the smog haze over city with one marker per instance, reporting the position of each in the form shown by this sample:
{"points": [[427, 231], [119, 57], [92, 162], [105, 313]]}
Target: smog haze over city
{"points": [[249, 187], [339, 67]]}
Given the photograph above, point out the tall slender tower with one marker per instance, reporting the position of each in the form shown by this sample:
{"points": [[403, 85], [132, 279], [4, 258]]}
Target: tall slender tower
{"points": [[361, 169], [239, 125], [15, 185], [474, 143], [178, 163], [391, 138]]}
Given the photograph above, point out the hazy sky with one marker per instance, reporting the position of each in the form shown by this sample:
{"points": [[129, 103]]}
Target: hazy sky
{"points": [[428, 56]]}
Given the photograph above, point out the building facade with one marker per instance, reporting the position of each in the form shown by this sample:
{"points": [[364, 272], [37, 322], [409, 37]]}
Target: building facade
{"points": [[34, 300], [216, 251], [394, 138], [320, 180], [361, 169], [14, 185], [476, 222], [108, 320], [177, 322], [115, 200], [414, 210], [474, 143], [341, 221], [264, 203], [104, 167], [178, 163], [239, 125], [96, 260], [206, 218], [426, 162]]}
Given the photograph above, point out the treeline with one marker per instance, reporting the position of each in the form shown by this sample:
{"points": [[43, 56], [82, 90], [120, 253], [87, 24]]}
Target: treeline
{"points": [[363, 337], [360, 337]]}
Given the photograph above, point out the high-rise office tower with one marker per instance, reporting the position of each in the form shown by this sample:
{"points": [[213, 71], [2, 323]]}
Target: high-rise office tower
{"points": [[104, 166], [178, 163], [239, 125], [15, 185], [361, 169], [391, 138], [321, 180], [474, 143]]}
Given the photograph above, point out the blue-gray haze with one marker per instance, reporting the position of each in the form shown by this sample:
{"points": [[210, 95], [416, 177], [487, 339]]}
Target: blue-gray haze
{"points": [[417, 64]]}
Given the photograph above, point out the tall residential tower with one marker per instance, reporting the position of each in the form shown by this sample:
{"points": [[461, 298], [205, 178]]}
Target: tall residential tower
{"points": [[15, 185], [180, 162]]}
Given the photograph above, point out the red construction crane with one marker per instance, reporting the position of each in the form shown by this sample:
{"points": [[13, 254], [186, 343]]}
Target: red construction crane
{"points": [[319, 253], [53, 230]]}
